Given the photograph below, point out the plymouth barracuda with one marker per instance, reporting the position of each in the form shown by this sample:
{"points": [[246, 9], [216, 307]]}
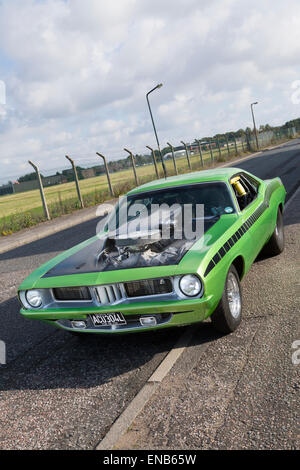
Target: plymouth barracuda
{"points": [[173, 252]]}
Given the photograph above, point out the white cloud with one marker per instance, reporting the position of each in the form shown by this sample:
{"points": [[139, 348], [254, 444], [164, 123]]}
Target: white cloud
{"points": [[77, 72]]}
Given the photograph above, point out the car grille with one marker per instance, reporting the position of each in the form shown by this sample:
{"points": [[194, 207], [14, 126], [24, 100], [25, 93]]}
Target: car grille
{"points": [[148, 287], [72, 293], [114, 293], [109, 294]]}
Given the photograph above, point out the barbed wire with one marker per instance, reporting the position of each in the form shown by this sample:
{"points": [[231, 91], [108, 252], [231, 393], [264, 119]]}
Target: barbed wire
{"points": [[90, 159]]}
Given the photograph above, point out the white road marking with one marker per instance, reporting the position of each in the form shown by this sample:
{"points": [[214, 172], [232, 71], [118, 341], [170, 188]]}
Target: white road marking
{"points": [[167, 364], [121, 425], [291, 199]]}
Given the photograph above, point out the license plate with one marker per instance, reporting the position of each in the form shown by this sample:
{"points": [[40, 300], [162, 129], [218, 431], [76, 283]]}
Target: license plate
{"points": [[108, 319]]}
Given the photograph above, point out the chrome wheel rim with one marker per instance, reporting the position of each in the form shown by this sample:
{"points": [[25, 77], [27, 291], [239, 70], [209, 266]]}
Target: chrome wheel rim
{"points": [[279, 228], [233, 295]]}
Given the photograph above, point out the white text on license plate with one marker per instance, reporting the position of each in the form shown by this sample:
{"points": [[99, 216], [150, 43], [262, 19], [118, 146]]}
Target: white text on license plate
{"points": [[107, 319]]}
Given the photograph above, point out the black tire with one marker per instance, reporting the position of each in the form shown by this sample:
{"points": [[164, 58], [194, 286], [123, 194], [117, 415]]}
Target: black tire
{"points": [[275, 245], [227, 316]]}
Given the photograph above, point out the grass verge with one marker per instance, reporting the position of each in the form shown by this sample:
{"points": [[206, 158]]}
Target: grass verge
{"points": [[64, 204]]}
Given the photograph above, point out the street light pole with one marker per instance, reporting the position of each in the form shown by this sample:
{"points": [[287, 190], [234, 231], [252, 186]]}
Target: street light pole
{"points": [[254, 125], [154, 128]]}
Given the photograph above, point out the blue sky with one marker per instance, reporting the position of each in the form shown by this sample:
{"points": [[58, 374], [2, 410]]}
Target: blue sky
{"points": [[76, 74]]}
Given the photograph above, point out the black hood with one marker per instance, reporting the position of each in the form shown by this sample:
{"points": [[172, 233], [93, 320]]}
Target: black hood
{"points": [[138, 250]]}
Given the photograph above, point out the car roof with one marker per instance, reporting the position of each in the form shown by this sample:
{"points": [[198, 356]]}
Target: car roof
{"points": [[217, 174]]}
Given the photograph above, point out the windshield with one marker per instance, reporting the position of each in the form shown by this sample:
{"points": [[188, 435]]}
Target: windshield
{"points": [[155, 228], [215, 198]]}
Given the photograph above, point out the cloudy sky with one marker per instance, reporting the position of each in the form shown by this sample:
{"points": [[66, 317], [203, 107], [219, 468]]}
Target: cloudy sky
{"points": [[76, 73]]}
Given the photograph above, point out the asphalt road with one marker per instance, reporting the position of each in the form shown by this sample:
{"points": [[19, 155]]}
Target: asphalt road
{"points": [[59, 391]]}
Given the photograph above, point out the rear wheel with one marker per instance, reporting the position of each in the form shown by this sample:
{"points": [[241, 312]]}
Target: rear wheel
{"points": [[275, 245], [227, 316]]}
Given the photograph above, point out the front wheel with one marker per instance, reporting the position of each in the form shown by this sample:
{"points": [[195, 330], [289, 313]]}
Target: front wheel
{"points": [[228, 314]]}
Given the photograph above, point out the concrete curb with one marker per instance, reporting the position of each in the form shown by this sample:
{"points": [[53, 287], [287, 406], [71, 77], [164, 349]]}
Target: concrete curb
{"points": [[121, 425], [44, 229]]}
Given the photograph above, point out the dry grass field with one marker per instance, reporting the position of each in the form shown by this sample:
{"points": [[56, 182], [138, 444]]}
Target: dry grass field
{"points": [[23, 210], [26, 201]]}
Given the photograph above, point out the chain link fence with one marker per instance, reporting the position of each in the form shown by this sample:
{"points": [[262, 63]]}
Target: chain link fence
{"points": [[86, 181]]}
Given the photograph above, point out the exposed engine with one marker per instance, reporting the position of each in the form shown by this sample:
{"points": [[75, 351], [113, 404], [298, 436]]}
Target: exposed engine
{"points": [[126, 249], [140, 250]]}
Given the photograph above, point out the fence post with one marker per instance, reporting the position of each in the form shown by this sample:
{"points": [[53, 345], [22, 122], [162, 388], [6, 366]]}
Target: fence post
{"points": [[248, 141], [173, 156], [228, 151], [236, 150], [211, 152], [218, 143], [187, 154], [46, 212], [76, 181], [107, 174], [154, 160], [200, 152], [133, 166]]}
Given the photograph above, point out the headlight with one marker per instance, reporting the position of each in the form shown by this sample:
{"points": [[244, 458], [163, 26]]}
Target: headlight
{"points": [[34, 298], [190, 285]]}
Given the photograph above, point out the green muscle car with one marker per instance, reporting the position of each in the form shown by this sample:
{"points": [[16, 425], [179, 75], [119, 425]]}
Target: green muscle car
{"points": [[172, 252]]}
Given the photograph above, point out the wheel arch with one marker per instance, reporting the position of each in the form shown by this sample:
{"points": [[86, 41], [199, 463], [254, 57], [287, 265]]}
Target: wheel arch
{"points": [[239, 264]]}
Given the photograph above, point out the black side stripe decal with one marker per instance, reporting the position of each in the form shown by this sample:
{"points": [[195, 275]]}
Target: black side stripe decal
{"points": [[235, 237]]}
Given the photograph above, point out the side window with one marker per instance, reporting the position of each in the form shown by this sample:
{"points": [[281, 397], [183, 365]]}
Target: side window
{"points": [[252, 183], [245, 190]]}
